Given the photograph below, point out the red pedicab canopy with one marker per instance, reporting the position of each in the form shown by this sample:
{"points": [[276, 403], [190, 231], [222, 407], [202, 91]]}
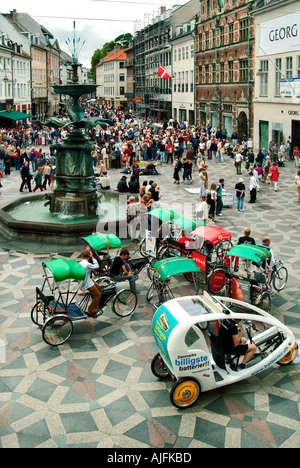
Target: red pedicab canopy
{"points": [[213, 234]]}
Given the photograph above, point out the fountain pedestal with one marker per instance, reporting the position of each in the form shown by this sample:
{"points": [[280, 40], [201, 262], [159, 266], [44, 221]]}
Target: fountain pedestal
{"points": [[74, 193]]}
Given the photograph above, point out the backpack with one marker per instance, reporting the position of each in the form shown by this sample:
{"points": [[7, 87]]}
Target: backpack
{"points": [[208, 198], [179, 165]]}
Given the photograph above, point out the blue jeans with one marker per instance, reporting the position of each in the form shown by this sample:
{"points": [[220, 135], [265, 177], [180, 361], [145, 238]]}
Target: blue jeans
{"points": [[202, 189], [240, 203]]}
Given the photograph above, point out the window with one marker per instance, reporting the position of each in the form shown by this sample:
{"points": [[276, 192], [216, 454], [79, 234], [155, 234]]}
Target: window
{"points": [[278, 76], [200, 79], [222, 72], [230, 71], [207, 40], [289, 67], [231, 33], [206, 73], [243, 29], [243, 69], [298, 74], [222, 35], [122, 90], [122, 77], [264, 66]]}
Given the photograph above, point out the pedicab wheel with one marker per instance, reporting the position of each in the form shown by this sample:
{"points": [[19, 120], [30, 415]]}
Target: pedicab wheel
{"points": [[216, 281], [289, 357], [57, 330], [158, 367], [279, 278], [124, 303], [264, 302], [185, 393], [37, 314]]}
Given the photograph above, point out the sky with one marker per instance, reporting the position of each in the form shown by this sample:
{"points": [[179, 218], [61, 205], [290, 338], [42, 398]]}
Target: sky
{"points": [[96, 21]]}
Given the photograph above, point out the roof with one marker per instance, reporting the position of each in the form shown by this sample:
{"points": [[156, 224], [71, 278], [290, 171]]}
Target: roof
{"points": [[14, 115], [114, 55]]}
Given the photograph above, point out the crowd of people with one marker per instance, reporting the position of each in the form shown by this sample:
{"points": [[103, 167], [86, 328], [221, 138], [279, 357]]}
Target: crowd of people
{"points": [[138, 147]]}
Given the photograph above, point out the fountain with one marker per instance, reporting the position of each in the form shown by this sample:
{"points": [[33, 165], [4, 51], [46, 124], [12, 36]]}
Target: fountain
{"points": [[74, 197]]}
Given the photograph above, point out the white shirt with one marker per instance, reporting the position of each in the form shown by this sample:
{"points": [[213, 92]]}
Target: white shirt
{"points": [[203, 206], [253, 182], [89, 267]]}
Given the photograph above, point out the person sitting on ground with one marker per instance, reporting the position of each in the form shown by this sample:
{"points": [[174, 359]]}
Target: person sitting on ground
{"points": [[122, 185], [89, 263], [104, 181]]}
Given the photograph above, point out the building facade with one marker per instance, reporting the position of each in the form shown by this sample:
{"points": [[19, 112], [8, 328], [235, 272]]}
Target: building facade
{"points": [[225, 66], [152, 49], [277, 73], [111, 77]]}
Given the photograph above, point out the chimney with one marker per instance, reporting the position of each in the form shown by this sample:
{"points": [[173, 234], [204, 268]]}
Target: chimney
{"points": [[13, 15], [162, 10]]}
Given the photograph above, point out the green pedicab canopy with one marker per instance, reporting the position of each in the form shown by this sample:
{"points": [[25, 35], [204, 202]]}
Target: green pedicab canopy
{"points": [[187, 224], [164, 215], [251, 252], [62, 269], [100, 241], [175, 266]]}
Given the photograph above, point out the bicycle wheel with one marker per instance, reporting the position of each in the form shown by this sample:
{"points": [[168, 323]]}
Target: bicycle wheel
{"points": [[163, 252], [264, 302], [158, 368], [151, 292], [216, 281], [57, 330], [37, 314], [289, 357], [223, 248], [124, 303], [279, 278], [185, 393]]}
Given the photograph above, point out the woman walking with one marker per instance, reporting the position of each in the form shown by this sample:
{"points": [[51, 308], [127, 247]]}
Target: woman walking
{"points": [[213, 202], [296, 155], [274, 176]]}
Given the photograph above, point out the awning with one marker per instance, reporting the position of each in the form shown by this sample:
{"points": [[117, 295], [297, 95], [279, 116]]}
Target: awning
{"points": [[14, 115]]}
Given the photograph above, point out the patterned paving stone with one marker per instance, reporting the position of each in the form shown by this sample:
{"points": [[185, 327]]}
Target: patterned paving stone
{"points": [[98, 389]]}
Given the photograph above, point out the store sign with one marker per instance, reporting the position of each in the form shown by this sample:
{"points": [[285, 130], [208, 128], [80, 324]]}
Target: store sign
{"points": [[290, 87], [280, 34]]}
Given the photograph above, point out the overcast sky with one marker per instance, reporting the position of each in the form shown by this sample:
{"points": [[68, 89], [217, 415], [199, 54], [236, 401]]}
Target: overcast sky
{"points": [[89, 16]]}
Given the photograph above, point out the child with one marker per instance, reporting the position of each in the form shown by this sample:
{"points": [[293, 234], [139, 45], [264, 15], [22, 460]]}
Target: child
{"points": [[38, 179], [201, 211]]}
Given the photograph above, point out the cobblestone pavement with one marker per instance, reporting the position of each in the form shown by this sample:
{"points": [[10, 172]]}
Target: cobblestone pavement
{"points": [[98, 390]]}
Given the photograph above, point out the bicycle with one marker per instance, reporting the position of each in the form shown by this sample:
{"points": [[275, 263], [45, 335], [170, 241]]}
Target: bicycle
{"points": [[56, 313]]}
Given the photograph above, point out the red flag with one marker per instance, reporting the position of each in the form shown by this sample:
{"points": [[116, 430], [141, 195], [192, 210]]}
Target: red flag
{"points": [[162, 73]]}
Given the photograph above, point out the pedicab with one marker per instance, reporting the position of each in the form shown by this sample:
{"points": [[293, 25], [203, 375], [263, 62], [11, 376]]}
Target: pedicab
{"points": [[174, 244], [163, 270], [210, 241], [99, 242], [188, 334], [257, 286], [60, 302], [151, 244]]}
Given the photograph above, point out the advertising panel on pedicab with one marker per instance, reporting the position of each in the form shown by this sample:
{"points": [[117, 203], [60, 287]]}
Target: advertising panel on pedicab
{"points": [[200, 260], [182, 345], [163, 324]]}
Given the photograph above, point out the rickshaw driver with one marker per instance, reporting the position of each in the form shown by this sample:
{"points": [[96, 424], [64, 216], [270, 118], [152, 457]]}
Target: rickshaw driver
{"points": [[89, 263], [120, 270], [234, 342]]}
